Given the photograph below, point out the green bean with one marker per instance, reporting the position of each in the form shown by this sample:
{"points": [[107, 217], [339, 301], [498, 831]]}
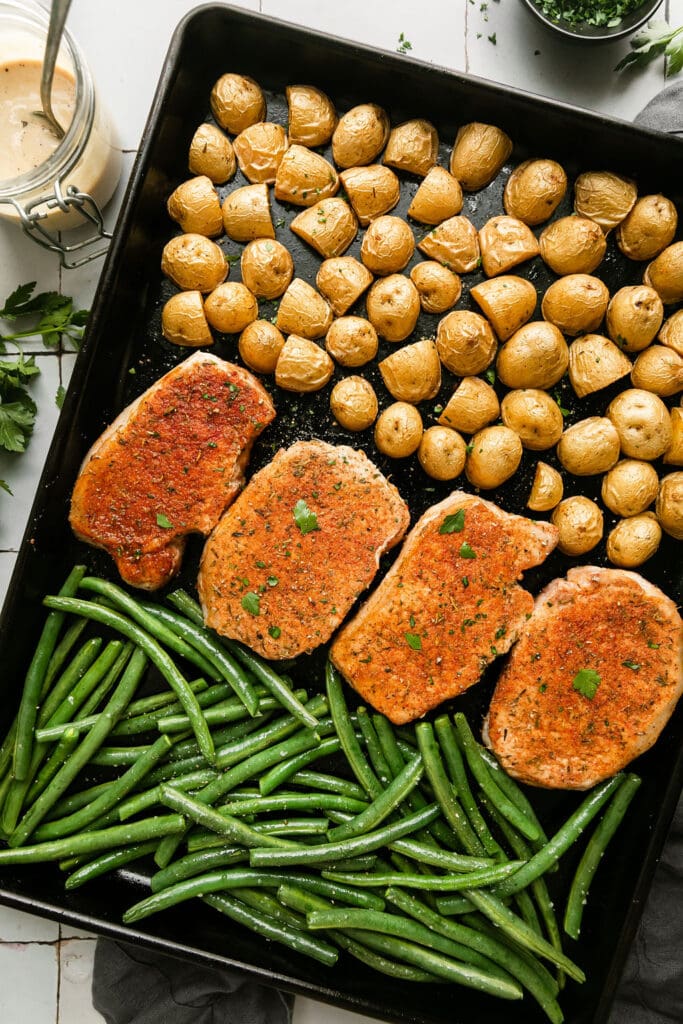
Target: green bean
{"points": [[75, 801], [187, 606], [72, 634], [117, 757], [346, 733], [384, 805], [102, 690], [206, 840], [158, 701], [444, 792], [227, 734], [281, 773], [293, 802], [328, 783], [262, 901], [434, 883], [561, 841], [594, 851], [69, 771], [198, 863], [223, 824], [157, 655], [59, 755], [150, 797], [438, 858], [107, 862], [264, 925], [515, 794], [365, 863], [225, 711], [451, 906], [277, 730], [527, 910], [95, 841], [78, 694], [377, 759]]}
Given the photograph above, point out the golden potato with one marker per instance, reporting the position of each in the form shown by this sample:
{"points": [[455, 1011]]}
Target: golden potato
{"points": [[438, 286], [580, 525], [671, 333], [372, 190], [658, 369], [634, 540], [360, 135], [590, 446], [211, 153], [438, 197], [534, 416], [576, 303], [594, 363], [546, 490], [630, 487], [303, 311], [536, 356], [665, 274], [352, 341], [642, 422], [267, 268], [649, 228], [302, 365], [393, 306], [472, 406], [413, 147], [183, 321], [260, 345], [246, 214], [442, 453], [507, 302], [196, 207], [259, 150], [230, 307], [388, 246], [237, 101], [669, 507], [455, 243], [304, 177], [465, 342], [573, 245], [604, 197], [353, 403], [673, 456], [413, 373], [329, 226], [534, 190], [505, 242], [634, 315], [494, 454], [342, 280], [479, 152], [194, 263], [398, 430], [312, 117]]}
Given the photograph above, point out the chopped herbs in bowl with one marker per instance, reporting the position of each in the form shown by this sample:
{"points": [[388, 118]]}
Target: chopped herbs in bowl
{"points": [[593, 20]]}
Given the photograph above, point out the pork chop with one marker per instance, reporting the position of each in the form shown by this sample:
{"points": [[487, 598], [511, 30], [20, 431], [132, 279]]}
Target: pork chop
{"points": [[169, 465], [591, 682], [303, 540], [448, 606]]}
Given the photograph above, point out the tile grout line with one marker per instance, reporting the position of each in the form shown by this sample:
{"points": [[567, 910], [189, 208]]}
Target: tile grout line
{"points": [[467, 55], [59, 974]]}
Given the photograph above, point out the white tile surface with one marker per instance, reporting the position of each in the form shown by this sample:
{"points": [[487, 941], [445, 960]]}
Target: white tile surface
{"points": [[18, 927], [67, 931], [75, 980], [309, 1011], [28, 988]]}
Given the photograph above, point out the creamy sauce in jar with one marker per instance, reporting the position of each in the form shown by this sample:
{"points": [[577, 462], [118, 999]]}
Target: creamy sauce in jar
{"points": [[27, 139]]}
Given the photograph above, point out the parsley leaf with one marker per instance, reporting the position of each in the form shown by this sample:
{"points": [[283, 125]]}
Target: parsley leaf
{"points": [[633, 665], [306, 520], [586, 682], [251, 603], [275, 632], [163, 521], [454, 523], [5, 486], [60, 396], [466, 551], [651, 42], [57, 318], [414, 641], [404, 45]]}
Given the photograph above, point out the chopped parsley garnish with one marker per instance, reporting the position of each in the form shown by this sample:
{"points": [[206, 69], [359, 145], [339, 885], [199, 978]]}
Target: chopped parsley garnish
{"points": [[260, 564], [586, 682], [454, 523], [275, 632], [306, 520], [633, 665], [653, 646], [404, 45], [543, 687], [414, 641], [272, 581], [491, 376], [163, 521], [466, 551], [252, 603], [465, 582]]}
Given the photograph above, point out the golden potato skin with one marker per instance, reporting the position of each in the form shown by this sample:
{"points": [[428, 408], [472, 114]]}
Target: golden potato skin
{"points": [[304, 177], [360, 135], [669, 507], [580, 525], [413, 373], [673, 456], [302, 366], [595, 362], [196, 207], [237, 101], [573, 245], [505, 242], [649, 228], [633, 541], [183, 321], [194, 263], [630, 487], [658, 369], [312, 117], [472, 406], [642, 422], [439, 197], [507, 302], [329, 226], [373, 190], [388, 246], [342, 280], [352, 341], [665, 274], [267, 268], [534, 416], [589, 447], [634, 316], [259, 150], [494, 454], [465, 342], [230, 307], [246, 214], [398, 430], [479, 152], [211, 153], [353, 403], [303, 311], [575, 303], [546, 490], [413, 147], [438, 286], [536, 356], [534, 190], [259, 345], [604, 197], [393, 306], [455, 243], [442, 453], [671, 333]]}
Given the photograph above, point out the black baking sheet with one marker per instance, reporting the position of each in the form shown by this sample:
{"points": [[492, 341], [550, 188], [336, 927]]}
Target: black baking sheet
{"points": [[124, 353]]}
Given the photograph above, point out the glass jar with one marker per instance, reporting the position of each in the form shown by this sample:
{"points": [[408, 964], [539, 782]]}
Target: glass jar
{"points": [[68, 187]]}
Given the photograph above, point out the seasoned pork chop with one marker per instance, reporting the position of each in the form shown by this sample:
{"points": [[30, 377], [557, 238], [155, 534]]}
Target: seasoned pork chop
{"points": [[448, 606], [302, 541], [169, 465], [591, 682]]}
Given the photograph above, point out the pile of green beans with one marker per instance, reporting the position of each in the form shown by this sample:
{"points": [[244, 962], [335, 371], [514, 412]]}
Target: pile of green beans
{"points": [[421, 857]]}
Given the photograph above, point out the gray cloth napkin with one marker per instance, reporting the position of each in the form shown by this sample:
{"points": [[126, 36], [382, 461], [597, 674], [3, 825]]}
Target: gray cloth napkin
{"points": [[665, 112]]}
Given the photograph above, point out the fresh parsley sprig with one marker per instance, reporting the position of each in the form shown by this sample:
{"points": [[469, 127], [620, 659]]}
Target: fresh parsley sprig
{"points": [[656, 39], [56, 317]]}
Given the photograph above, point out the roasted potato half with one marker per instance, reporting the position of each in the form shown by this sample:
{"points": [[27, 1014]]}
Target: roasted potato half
{"points": [[669, 507], [630, 487], [534, 416], [507, 302], [589, 447], [536, 356], [267, 268], [360, 135], [413, 373], [312, 117], [479, 152], [237, 102], [388, 246], [673, 456], [642, 422], [194, 263], [373, 190], [183, 321], [304, 177], [438, 197], [353, 403], [594, 363], [534, 190], [196, 207], [465, 342], [576, 303], [352, 341], [658, 369], [633, 541], [302, 366], [230, 307], [259, 150], [303, 311], [398, 430], [494, 454], [442, 453], [260, 345], [573, 245], [211, 153], [413, 147], [393, 306], [438, 286], [671, 333], [546, 490], [472, 406], [665, 274], [649, 228], [246, 214], [329, 226], [342, 280], [634, 315], [455, 243], [580, 525], [505, 242], [604, 197]]}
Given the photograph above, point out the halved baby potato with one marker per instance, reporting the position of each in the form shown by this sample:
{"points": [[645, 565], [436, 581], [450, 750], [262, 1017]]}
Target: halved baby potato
{"points": [[594, 363], [479, 152], [506, 301], [360, 135], [648, 229], [438, 286], [211, 153], [413, 373], [304, 177], [237, 102], [465, 342], [329, 226], [505, 242], [438, 197], [373, 190], [303, 311], [576, 303], [671, 333], [393, 306], [194, 262], [494, 455], [259, 345], [246, 214], [536, 356], [230, 307], [630, 487], [267, 267], [183, 321], [534, 416], [302, 366], [472, 406], [546, 490], [342, 280], [665, 274], [634, 540], [388, 245], [455, 243], [312, 117], [604, 197], [352, 341], [196, 207], [573, 245], [673, 456], [589, 447], [534, 190], [259, 150], [658, 369], [413, 147]]}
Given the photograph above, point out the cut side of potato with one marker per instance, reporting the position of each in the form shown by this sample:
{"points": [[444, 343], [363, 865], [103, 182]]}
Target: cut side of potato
{"points": [[594, 363], [438, 197], [246, 214], [329, 226], [604, 197], [342, 280], [455, 243], [312, 117], [413, 373], [259, 150], [304, 177], [505, 242], [507, 302], [472, 406], [546, 490], [413, 147], [302, 366], [303, 311], [372, 190], [479, 152]]}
